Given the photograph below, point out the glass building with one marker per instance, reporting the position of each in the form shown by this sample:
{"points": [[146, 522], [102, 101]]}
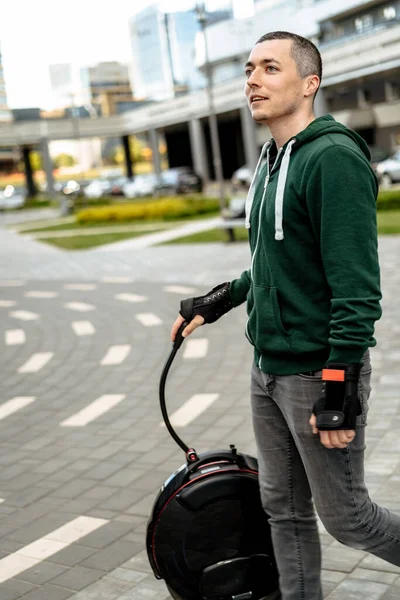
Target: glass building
{"points": [[163, 52]]}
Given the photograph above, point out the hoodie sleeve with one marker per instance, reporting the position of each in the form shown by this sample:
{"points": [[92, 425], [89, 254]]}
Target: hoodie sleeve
{"points": [[239, 288], [341, 196]]}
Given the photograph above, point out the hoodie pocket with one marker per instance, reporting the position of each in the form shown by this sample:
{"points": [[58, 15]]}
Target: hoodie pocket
{"points": [[265, 328]]}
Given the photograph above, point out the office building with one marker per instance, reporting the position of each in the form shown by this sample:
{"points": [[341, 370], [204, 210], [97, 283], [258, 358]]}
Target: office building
{"points": [[163, 52]]}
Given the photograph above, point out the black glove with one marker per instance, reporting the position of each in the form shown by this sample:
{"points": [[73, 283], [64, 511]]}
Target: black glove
{"points": [[211, 306], [339, 404]]}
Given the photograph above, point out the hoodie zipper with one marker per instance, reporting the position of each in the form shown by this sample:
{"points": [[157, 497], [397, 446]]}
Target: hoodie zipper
{"points": [[266, 181]]}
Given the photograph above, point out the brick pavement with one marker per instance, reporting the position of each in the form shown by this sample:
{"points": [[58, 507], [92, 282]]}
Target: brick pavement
{"points": [[111, 468]]}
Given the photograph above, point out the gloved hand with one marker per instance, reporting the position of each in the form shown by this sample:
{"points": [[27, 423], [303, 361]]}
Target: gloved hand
{"points": [[339, 404], [211, 306]]}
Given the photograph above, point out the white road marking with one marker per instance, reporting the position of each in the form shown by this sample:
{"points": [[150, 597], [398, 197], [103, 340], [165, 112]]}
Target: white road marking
{"points": [[93, 410], [116, 355], [12, 283], [24, 315], [179, 289], [7, 303], [196, 348], [36, 362], [80, 286], [194, 407], [1, 500], [14, 337], [15, 404], [83, 328], [130, 297], [148, 319], [79, 306], [32, 554], [40, 294], [121, 279]]}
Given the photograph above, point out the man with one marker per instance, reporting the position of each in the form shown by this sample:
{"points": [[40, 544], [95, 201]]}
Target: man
{"points": [[313, 296]]}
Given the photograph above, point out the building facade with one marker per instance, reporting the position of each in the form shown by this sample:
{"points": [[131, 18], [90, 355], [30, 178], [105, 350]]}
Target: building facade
{"points": [[163, 52]]}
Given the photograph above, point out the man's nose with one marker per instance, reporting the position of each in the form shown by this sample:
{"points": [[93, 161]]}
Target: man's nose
{"points": [[252, 80]]}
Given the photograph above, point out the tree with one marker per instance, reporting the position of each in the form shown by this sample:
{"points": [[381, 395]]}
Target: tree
{"points": [[64, 160], [137, 148], [36, 161]]}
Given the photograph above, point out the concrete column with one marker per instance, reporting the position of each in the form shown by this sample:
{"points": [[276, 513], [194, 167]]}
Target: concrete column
{"points": [[249, 138], [320, 104], [153, 135], [127, 156], [199, 152], [390, 92], [47, 165], [361, 98], [30, 183]]}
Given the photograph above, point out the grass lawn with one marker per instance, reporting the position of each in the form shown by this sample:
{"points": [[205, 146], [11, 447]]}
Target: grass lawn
{"points": [[89, 241], [212, 235], [388, 221]]}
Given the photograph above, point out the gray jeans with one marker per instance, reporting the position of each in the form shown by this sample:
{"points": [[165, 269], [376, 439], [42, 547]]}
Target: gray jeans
{"points": [[297, 473]]}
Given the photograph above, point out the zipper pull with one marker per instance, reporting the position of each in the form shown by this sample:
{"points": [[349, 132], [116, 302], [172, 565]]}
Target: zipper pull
{"points": [[266, 181]]}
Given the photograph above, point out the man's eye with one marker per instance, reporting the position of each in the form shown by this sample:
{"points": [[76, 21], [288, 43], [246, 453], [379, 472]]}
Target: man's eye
{"points": [[272, 67], [247, 72]]}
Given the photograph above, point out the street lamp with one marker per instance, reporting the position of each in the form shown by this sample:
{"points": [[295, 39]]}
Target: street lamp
{"points": [[212, 119]]}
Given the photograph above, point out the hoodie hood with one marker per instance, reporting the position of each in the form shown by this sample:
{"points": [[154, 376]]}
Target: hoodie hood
{"points": [[319, 127]]}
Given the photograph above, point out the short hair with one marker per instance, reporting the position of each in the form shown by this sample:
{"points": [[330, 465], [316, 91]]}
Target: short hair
{"points": [[304, 53]]}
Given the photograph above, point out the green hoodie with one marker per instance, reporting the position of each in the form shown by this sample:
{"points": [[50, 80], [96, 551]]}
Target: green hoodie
{"points": [[313, 290]]}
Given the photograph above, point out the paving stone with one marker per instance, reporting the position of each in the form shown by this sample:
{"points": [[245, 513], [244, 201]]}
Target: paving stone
{"points": [[49, 592], [353, 589], [112, 556], [78, 578], [110, 532], [42, 573], [369, 575]]}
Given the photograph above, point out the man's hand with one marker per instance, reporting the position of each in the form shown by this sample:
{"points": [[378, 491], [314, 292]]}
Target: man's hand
{"points": [[339, 438], [197, 321]]}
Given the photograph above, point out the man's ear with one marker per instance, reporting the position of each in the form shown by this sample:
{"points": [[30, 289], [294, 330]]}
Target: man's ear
{"points": [[311, 85]]}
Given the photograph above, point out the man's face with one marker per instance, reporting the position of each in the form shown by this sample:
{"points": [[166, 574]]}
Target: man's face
{"points": [[272, 76]]}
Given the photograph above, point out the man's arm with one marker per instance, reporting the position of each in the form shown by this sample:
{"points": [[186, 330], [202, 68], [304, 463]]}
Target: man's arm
{"points": [[239, 288], [341, 195], [211, 306]]}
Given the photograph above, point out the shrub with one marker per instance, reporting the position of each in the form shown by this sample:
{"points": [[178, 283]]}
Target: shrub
{"points": [[163, 209]]}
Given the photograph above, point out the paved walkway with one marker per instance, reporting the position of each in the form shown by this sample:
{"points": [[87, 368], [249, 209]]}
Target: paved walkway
{"points": [[84, 336]]}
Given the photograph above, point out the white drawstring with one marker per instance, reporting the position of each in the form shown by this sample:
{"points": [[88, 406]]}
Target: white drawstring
{"points": [[250, 193], [280, 191]]}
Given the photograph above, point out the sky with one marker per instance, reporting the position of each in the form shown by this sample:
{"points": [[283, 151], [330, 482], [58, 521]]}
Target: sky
{"points": [[35, 34]]}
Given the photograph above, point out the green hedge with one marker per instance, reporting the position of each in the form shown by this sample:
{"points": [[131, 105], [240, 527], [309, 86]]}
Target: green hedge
{"points": [[388, 200], [164, 209]]}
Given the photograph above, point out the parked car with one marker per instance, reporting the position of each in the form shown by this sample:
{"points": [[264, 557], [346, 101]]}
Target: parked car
{"points": [[377, 155], [117, 184], [12, 197], [141, 186], [97, 188], [388, 170], [180, 180], [240, 183], [241, 179]]}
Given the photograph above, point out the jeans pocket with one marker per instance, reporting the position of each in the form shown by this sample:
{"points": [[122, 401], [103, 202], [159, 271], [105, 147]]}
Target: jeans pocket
{"points": [[316, 376]]}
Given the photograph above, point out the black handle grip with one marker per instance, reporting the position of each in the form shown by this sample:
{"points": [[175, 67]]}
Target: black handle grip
{"points": [[179, 338]]}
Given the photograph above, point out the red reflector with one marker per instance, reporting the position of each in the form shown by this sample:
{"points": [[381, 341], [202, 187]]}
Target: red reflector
{"points": [[333, 375]]}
